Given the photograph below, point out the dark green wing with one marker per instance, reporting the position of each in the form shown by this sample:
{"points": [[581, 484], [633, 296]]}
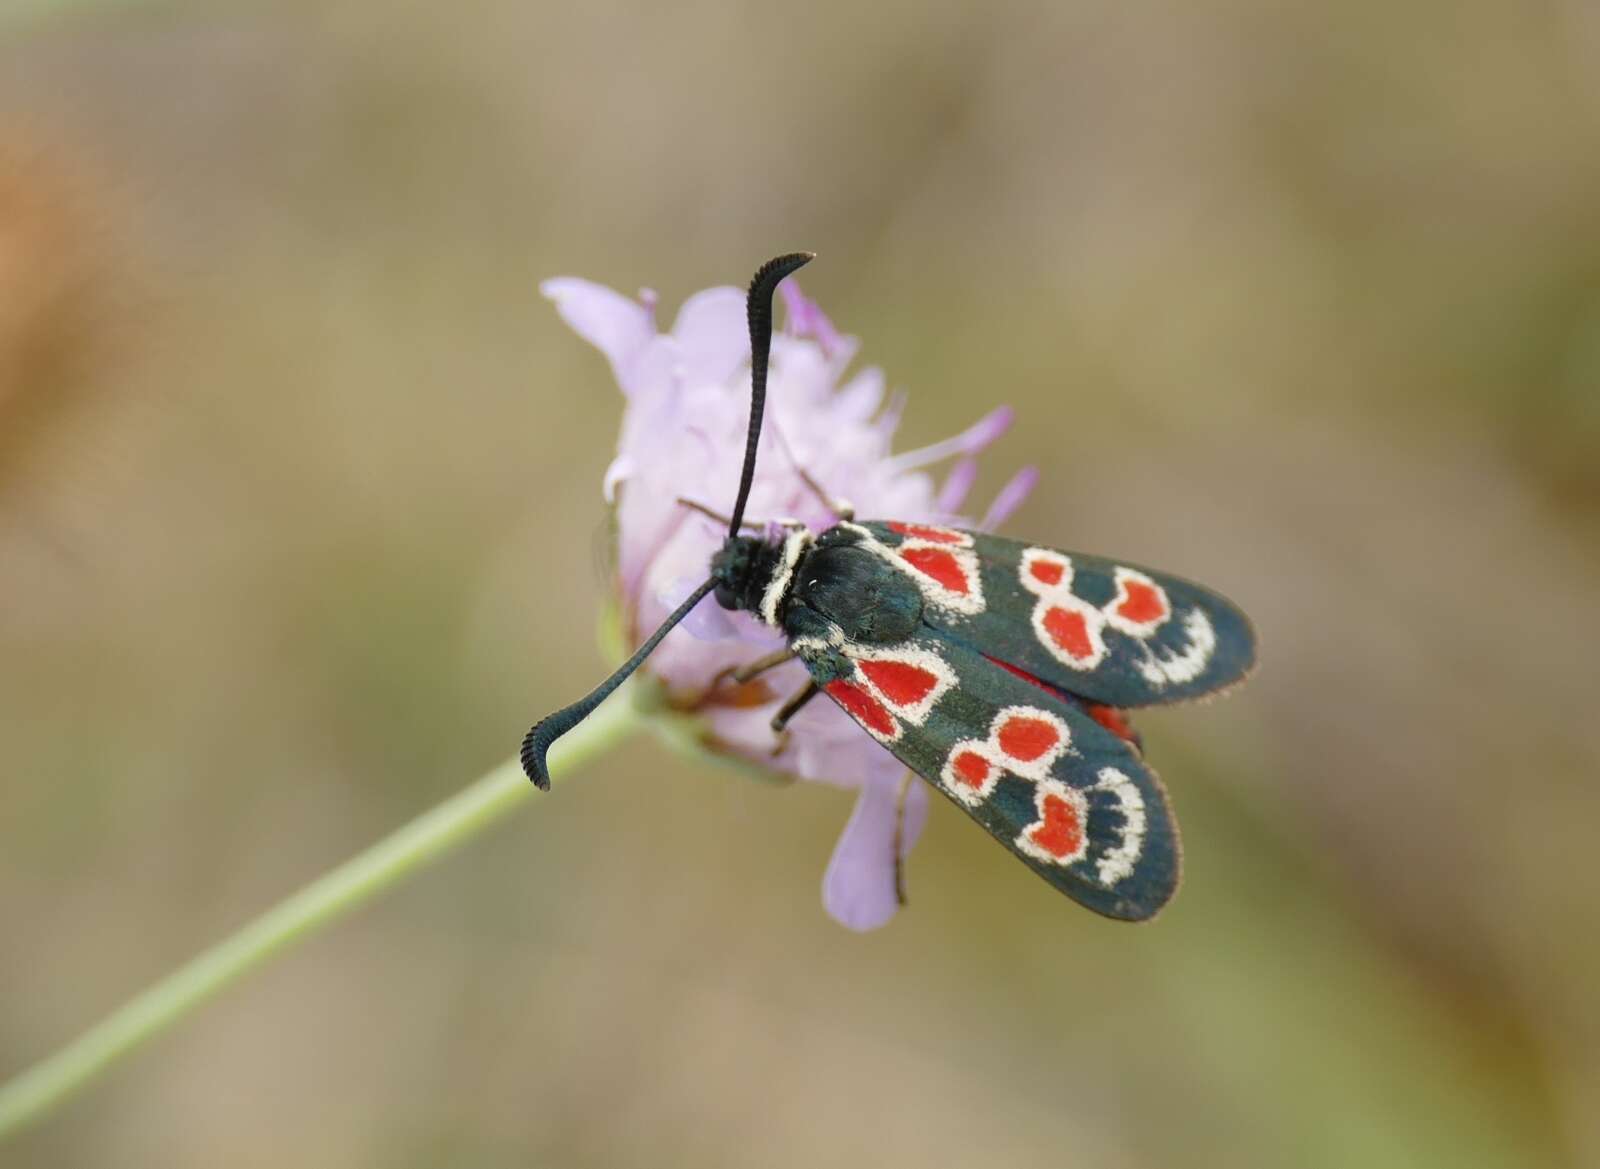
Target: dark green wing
{"points": [[1111, 633], [1064, 794]]}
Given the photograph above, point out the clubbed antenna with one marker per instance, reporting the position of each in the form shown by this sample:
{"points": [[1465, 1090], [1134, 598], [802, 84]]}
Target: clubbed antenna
{"points": [[758, 306], [550, 728]]}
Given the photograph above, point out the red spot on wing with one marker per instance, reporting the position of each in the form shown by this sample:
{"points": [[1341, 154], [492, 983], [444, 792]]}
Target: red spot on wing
{"points": [[1060, 832], [925, 532], [1069, 630], [861, 706], [1143, 602], [1026, 739], [1047, 571], [1114, 721], [971, 769], [939, 564], [901, 683]]}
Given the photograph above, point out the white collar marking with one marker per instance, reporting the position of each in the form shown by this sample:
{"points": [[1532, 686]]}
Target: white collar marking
{"points": [[778, 587]]}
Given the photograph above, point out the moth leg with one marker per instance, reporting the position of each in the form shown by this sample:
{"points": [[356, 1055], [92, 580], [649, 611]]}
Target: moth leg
{"points": [[742, 674], [753, 525], [696, 505], [739, 675], [839, 507], [791, 708], [762, 664], [900, 839], [842, 508], [780, 721]]}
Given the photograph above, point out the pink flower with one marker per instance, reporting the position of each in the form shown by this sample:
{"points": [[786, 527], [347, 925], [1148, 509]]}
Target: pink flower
{"points": [[687, 397]]}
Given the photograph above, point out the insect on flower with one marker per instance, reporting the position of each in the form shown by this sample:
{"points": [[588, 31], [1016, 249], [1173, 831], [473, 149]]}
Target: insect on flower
{"points": [[998, 671]]}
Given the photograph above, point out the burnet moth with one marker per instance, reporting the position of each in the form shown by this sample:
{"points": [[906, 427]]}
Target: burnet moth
{"points": [[998, 671]]}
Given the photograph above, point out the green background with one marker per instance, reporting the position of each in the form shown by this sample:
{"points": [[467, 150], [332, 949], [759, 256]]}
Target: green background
{"points": [[300, 527]]}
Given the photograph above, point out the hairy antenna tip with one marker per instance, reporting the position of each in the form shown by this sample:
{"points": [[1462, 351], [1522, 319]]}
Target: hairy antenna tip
{"points": [[533, 763], [770, 274]]}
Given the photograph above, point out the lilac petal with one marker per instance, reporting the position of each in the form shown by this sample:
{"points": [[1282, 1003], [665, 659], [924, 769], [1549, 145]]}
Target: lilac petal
{"points": [[1010, 498], [672, 542], [609, 321], [909, 497], [704, 622], [889, 421], [954, 492], [621, 468], [858, 888], [712, 335], [801, 375], [688, 665], [651, 385], [648, 516], [843, 354], [807, 320], [747, 729], [969, 442], [830, 749], [858, 398]]}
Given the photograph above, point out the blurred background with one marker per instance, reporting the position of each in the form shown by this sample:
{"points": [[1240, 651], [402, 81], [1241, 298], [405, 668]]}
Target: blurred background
{"points": [[299, 519]]}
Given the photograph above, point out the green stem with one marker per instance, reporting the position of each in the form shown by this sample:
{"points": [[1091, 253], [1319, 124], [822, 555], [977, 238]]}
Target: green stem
{"points": [[34, 1092]]}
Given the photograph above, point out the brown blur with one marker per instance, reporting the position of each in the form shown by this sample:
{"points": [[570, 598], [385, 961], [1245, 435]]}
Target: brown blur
{"points": [[299, 511]]}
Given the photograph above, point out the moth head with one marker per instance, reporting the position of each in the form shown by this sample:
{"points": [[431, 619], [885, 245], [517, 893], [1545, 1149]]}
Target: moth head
{"points": [[739, 570]]}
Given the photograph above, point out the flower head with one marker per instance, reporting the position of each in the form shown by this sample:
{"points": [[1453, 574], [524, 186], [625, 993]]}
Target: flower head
{"points": [[687, 408]]}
